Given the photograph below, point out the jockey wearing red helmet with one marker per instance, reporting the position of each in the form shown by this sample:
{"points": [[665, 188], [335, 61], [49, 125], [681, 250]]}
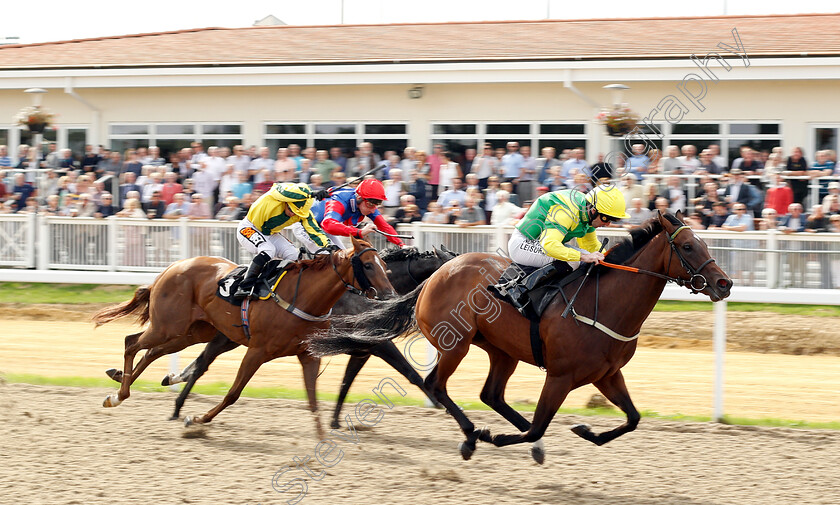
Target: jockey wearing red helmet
{"points": [[345, 208]]}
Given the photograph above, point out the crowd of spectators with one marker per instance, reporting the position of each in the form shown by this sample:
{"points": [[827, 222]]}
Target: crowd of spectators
{"points": [[496, 186]]}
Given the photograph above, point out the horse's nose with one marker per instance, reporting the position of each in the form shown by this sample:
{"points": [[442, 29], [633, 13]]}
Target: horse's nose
{"points": [[724, 285], [387, 294]]}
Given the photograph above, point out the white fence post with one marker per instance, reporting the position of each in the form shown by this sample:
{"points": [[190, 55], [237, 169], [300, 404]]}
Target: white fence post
{"points": [[773, 270], [419, 239], [112, 243], [31, 233], [184, 230], [45, 242], [720, 350]]}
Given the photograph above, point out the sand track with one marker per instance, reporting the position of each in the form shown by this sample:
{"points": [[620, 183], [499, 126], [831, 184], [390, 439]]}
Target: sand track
{"points": [[60, 446]]}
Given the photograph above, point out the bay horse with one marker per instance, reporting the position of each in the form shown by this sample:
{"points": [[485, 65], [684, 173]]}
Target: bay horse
{"points": [[406, 269], [453, 310], [182, 309]]}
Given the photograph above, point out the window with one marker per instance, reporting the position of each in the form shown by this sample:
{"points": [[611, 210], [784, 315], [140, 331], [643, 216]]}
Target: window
{"points": [[729, 136], [458, 137], [754, 129], [347, 136], [824, 137], [759, 136], [171, 137]]}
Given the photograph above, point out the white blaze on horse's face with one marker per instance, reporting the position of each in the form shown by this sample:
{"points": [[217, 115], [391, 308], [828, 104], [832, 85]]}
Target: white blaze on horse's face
{"points": [[381, 265]]}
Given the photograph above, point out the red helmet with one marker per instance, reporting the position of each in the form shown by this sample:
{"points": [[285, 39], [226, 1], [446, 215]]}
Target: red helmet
{"points": [[371, 189]]}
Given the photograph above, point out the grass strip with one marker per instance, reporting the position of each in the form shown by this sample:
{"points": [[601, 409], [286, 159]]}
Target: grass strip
{"points": [[38, 292], [221, 388], [34, 292]]}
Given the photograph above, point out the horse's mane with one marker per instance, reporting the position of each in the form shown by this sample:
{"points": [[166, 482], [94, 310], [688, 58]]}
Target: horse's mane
{"points": [[320, 262], [639, 237], [405, 254]]}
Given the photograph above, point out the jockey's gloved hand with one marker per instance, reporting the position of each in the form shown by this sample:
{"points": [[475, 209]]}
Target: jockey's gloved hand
{"points": [[321, 195], [332, 248]]}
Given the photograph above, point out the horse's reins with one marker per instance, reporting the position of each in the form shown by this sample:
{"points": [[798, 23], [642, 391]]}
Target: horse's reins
{"points": [[695, 274], [594, 321]]}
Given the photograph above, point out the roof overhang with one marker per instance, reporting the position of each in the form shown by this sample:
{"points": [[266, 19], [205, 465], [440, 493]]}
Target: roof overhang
{"points": [[668, 70]]}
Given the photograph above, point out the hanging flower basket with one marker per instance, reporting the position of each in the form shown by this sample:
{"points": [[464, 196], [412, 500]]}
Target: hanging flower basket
{"points": [[35, 119], [619, 120]]}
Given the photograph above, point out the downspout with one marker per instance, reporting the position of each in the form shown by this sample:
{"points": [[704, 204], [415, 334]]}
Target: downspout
{"points": [[93, 137]]}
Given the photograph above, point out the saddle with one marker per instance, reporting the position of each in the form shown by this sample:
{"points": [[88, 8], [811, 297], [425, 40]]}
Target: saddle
{"points": [[542, 295], [266, 284], [539, 299]]}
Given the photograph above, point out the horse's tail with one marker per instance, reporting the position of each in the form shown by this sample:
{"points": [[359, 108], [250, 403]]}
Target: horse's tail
{"points": [[139, 302], [358, 332]]}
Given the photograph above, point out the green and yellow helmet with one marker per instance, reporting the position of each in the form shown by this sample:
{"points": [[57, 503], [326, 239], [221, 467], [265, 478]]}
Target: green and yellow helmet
{"points": [[608, 201], [298, 196]]}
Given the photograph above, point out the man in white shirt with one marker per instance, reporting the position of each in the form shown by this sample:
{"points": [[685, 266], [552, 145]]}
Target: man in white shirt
{"points": [[485, 166], [258, 165], [214, 165], [688, 161], [504, 212], [241, 161]]}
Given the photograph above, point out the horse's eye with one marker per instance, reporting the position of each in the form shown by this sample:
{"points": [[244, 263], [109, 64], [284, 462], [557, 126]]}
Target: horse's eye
{"points": [[368, 266], [687, 247]]}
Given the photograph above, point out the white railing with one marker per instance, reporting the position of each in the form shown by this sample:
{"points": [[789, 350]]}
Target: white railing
{"points": [[17, 240], [759, 259], [139, 248]]}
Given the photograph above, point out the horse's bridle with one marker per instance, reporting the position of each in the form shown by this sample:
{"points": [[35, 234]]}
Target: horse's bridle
{"points": [[358, 275], [693, 274]]}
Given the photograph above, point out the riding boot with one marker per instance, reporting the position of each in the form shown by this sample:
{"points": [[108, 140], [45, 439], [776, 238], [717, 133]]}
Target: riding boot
{"points": [[518, 293], [248, 284]]}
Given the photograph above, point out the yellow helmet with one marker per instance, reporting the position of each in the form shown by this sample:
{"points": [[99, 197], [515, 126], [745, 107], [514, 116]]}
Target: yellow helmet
{"points": [[298, 196], [608, 201]]}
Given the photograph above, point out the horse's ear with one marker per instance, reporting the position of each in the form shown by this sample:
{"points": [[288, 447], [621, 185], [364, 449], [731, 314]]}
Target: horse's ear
{"points": [[680, 216], [445, 249], [357, 244], [661, 217]]}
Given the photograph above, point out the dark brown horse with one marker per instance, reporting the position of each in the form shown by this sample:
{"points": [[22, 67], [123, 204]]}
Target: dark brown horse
{"points": [[182, 309], [453, 310]]}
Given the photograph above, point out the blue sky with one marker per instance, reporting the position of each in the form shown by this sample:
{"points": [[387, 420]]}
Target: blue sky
{"points": [[73, 19]]}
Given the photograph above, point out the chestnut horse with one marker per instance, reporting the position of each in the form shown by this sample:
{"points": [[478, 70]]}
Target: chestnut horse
{"points": [[453, 310], [406, 269], [182, 309]]}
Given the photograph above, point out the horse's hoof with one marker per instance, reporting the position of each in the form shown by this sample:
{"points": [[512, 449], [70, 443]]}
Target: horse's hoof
{"points": [[581, 430], [467, 450], [538, 452], [111, 401], [335, 425], [484, 435], [171, 380], [114, 374], [174, 418], [189, 421]]}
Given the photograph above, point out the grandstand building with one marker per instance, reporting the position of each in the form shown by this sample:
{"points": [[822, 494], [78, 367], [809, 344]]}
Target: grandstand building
{"points": [[759, 80]]}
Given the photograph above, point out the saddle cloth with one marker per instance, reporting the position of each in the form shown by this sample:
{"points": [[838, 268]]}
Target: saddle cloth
{"points": [[268, 281]]}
